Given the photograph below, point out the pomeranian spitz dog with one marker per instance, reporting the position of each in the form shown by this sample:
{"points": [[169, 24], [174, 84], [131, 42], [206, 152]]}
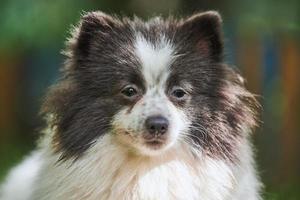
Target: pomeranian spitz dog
{"points": [[144, 110]]}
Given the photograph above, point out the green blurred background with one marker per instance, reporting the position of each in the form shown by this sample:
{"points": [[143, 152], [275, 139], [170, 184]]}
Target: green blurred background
{"points": [[262, 39]]}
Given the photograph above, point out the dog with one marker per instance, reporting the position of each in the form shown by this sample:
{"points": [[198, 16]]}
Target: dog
{"points": [[143, 110]]}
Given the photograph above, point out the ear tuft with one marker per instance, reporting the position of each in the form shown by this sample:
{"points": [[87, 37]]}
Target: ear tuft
{"points": [[205, 31], [209, 16], [92, 25], [96, 21]]}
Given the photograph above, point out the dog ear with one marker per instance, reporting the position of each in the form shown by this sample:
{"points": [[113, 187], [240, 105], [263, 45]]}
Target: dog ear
{"points": [[204, 30], [93, 27]]}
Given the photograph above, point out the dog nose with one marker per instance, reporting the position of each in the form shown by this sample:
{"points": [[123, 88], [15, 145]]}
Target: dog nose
{"points": [[157, 125]]}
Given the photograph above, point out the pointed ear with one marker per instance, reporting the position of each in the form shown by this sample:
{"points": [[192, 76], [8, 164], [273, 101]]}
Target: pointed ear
{"points": [[93, 25], [204, 30]]}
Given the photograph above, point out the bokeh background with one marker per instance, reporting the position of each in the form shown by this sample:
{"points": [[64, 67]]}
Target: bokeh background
{"points": [[262, 40]]}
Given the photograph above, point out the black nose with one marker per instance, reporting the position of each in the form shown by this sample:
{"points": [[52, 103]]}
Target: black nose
{"points": [[157, 125]]}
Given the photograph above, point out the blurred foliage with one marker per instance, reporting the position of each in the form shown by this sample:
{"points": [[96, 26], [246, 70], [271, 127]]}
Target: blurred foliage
{"points": [[270, 15], [40, 22], [37, 23]]}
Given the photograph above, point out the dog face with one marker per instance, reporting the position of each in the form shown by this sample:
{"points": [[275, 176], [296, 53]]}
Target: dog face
{"points": [[153, 120], [151, 85]]}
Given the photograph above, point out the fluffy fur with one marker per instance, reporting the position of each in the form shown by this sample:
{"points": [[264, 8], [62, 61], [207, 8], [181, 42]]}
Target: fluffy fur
{"points": [[118, 74]]}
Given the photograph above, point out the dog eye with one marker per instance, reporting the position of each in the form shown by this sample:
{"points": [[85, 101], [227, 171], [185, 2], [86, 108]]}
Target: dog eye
{"points": [[179, 93], [129, 91]]}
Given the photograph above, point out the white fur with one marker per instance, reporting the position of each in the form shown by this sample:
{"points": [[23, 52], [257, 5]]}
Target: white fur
{"points": [[18, 184], [155, 60], [248, 183], [109, 172]]}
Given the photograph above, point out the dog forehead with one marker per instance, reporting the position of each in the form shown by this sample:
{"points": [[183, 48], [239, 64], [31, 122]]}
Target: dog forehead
{"points": [[155, 58]]}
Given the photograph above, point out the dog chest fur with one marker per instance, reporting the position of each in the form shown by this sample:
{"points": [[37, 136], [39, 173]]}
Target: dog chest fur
{"points": [[109, 172]]}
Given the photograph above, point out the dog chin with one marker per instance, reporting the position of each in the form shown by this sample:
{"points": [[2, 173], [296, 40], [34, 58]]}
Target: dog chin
{"points": [[141, 146], [153, 148]]}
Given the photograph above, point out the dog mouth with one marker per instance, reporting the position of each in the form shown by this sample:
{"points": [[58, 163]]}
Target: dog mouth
{"points": [[155, 143]]}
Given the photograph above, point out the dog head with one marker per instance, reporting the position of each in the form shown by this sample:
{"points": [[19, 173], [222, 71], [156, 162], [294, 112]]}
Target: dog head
{"points": [[151, 85]]}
